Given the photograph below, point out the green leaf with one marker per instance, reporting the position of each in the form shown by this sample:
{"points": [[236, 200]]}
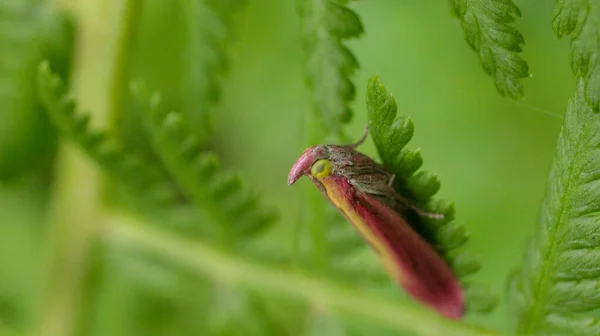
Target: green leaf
{"points": [[208, 24], [182, 49], [479, 299], [131, 170], [235, 210], [581, 20], [557, 286], [488, 32], [325, 24], [153, 283], [145, 186], [391, 134]]}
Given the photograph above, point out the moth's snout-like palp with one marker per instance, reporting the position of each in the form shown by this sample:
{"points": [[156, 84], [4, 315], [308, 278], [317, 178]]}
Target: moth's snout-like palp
{"points": [[305, 161]]}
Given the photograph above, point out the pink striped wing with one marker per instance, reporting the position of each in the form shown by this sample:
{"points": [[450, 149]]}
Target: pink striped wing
{"points": [[415, 265]]}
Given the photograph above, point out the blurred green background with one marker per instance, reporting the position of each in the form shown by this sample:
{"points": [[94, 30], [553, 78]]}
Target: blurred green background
{"points": [[492, 155]]}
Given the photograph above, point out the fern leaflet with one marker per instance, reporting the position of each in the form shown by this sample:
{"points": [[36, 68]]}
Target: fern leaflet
{"points": [[143, 178], [488, 33], [236, 211], [209, 28], [557, 288], [103, 147], [390, 135], [581, 20], [329, 63]]}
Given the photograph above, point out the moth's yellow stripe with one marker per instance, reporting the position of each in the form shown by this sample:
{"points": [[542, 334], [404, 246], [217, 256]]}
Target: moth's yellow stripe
{"points": [[336, 197]]}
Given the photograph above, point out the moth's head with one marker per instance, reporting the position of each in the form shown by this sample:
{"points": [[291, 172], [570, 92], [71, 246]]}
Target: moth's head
{"points": [[314, 162]]}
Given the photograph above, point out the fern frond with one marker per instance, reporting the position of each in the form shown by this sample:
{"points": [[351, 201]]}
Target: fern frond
{"points": [[235, 210], [134, 171], [488, 32], [209, 28], [391, 134], [325, 24], [581, 20], [558, 284]]}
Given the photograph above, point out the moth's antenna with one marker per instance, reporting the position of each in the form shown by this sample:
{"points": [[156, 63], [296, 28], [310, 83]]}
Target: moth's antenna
{"points": [[556, 115], [362, 139]]}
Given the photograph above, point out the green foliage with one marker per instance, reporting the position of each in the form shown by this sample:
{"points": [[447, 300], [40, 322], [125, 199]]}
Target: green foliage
{"points": [[29, 31], [581, 20], [488, 32], [235, 211], [208, 26], [556, 291], [181, 50], [130, 169], [391, 134], [225, 199], [325, 24], [180, 245]]}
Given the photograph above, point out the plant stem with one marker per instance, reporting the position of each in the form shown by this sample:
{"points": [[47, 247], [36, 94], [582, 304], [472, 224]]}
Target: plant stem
{"points": [[127, 233], [105, 29]]}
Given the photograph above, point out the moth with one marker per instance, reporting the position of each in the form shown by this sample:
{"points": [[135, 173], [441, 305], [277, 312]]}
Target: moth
{"points": [[362, 190]]}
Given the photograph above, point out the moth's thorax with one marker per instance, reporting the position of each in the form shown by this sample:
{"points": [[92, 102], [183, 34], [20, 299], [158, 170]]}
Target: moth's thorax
{"points": [[348, 162]]}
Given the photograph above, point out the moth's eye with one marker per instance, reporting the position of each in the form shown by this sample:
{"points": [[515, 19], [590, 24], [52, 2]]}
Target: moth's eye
{"points": [[321, 168]]}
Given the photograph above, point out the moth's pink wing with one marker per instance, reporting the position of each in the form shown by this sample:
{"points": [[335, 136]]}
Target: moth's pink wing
{"points": [[411, 260]]}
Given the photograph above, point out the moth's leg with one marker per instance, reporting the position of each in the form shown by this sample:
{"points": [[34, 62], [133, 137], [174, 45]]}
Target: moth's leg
{"points": [[409, 204], [391, 181], [362, 139], [415, 208]]}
